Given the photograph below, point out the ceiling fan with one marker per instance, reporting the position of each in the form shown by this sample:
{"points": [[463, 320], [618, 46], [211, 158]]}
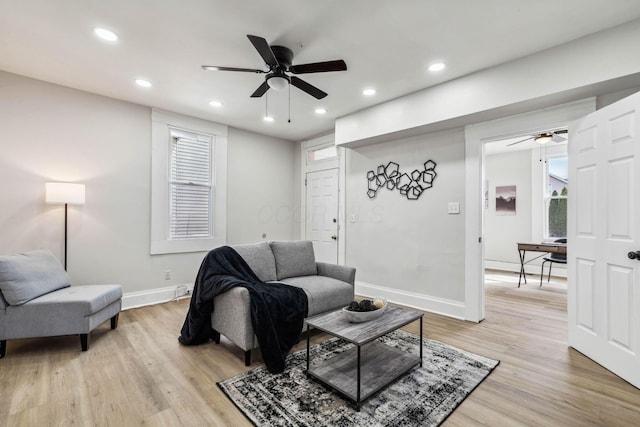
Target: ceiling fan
{"points": [[545, 137], [279, 60]]}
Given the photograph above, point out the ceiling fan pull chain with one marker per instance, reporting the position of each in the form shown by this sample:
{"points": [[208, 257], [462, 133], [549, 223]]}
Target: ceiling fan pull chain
{"points": [[289, 121]]}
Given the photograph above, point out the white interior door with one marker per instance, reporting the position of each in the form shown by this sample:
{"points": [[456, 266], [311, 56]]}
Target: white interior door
{"points": [[322, 214], [604, 226]]}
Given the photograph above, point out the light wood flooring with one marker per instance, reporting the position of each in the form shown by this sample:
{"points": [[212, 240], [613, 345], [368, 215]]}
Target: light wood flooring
{"points": [[138, 374]]}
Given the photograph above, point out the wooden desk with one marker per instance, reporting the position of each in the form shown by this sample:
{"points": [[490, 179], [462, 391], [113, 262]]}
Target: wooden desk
{"points": [[559, 248]]}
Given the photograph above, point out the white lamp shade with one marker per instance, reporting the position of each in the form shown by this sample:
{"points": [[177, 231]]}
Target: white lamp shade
{"points": [[64, 192], [277, 82]]}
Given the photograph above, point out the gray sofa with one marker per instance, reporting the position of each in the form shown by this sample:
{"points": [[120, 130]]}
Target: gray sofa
{"points": [[37, 300], [328, 287]]}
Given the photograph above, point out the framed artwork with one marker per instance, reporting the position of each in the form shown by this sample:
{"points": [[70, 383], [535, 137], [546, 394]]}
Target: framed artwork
{"points": [[506, 200]]}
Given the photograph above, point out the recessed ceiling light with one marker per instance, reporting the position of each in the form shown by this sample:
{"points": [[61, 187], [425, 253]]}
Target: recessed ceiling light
{"points": [[369, 92], [215, 104], [268, 118], [143, 83], [105, 34], [436, 66], [321, 111]]}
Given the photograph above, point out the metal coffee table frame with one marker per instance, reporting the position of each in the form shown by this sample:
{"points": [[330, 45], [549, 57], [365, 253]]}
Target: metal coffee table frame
{"points": [[360, 372]]}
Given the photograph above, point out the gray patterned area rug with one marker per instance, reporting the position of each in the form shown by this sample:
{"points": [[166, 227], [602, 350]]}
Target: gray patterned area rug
{"points": [[425, 396]]}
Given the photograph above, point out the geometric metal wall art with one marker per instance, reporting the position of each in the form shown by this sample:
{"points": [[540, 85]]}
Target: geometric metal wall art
{"points": [[409, 185]]}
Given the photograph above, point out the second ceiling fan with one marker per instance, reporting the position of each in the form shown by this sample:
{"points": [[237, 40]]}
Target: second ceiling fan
{"points": [[279, 60], [544, 137]]}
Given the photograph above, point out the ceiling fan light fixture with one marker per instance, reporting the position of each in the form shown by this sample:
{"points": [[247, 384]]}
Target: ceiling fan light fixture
{"points": [[321, 110], [369, 92], [543, 138], [268, 119], [277, 82]]}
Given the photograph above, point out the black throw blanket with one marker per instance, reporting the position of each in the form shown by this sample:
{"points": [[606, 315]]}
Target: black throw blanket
{"points": [[277, 310]]}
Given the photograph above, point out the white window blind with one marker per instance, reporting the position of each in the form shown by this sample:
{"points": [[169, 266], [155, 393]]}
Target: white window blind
{"points": [[191, 187]]}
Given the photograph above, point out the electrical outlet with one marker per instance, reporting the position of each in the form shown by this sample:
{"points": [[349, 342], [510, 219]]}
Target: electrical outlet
{"points": [[167, 275], [182, 290]]}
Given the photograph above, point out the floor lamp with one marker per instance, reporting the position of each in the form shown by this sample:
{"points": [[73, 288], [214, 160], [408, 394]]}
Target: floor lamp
{"points": [[68, 194]]}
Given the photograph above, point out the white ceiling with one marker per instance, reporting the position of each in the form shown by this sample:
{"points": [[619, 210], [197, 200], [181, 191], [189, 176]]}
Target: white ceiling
{"points": [[386, 45]]}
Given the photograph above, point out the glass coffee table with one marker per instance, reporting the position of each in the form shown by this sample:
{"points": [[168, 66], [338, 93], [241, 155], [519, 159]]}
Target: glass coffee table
{"points": [[360, 372]]}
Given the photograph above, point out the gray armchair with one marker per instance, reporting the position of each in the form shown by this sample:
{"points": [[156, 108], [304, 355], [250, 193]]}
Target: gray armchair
{"points": [[37, 300]]}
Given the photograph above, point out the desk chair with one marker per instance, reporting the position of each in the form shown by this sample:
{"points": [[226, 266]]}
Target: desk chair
{"points": [[551, 258]]}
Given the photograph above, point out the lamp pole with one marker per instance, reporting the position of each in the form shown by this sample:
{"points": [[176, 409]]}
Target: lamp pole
{"points": [[65, 236], [65, 193]]}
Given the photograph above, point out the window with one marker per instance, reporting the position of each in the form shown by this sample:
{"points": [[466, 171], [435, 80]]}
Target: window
{"points": [[557, 190], [188, 184], [324, 153]]}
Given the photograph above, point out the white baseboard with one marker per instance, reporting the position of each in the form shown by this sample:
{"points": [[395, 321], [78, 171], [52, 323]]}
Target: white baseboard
{"points": [[558, 270], [409, 299], [422, 302], [154, 296]]}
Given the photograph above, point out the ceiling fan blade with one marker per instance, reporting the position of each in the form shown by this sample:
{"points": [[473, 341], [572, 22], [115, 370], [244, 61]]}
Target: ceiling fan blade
{"points": [[558, 138], [522, 140], [308, 88], [262, 89], [561, 131], [216, 68], [319, 67], [264, 50]]}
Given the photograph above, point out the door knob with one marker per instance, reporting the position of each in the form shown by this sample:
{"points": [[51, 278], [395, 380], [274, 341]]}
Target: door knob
{"points": [[634, 255], [334, 238]]}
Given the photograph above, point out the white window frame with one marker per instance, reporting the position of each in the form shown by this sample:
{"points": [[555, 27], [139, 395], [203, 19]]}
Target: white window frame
{"points": [[324, 158], [162, 124], [546, 197]]}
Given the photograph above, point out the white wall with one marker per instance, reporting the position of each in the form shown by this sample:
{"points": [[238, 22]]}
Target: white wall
{"points": [[503, 232], [53, 133], [262, 186], [410, 251]]}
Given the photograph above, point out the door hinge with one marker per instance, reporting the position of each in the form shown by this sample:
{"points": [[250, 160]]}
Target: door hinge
{"points": [[305, 182]]}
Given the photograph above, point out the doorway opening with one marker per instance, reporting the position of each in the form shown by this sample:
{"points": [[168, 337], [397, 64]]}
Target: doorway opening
{"points": [[476, 138], [322, 198], [525, 203]]}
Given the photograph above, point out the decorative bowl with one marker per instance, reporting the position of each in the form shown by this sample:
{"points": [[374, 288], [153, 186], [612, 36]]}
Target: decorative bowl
{"points": [[364, 316]]}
